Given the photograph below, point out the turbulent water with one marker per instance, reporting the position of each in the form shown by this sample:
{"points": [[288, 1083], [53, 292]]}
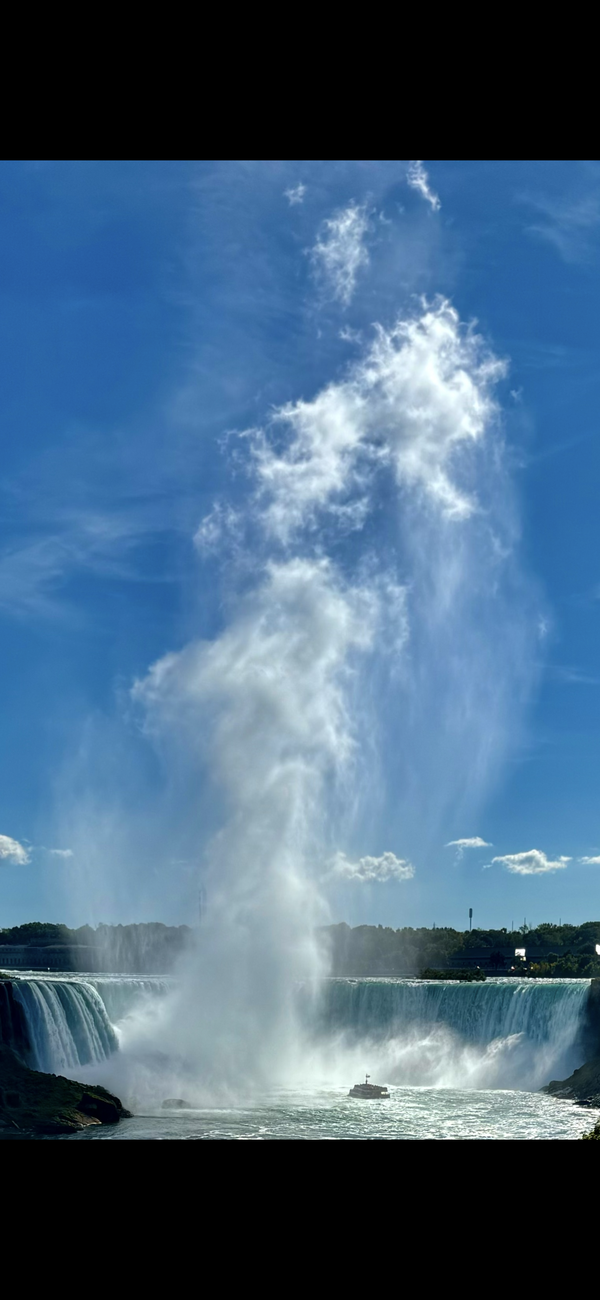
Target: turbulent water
{"points": [[461, 1060], [329, 1114], [501, 1033]]}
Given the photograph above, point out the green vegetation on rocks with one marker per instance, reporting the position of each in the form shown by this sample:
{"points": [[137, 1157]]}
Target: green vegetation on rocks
{"points": [[570, 966]]}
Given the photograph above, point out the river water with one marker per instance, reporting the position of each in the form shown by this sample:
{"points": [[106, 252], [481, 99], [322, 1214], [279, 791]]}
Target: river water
{"points": [[329, 1114]]}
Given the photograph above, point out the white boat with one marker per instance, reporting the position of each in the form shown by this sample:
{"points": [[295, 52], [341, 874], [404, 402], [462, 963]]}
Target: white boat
{"points": [[369, 1091]]}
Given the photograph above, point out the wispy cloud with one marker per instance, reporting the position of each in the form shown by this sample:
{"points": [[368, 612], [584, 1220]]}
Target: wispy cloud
{"points": [[295, 194], [571, 676], [12, 851], [220, 524], [369, 869], [531, 863], [33, 573], [339, 253], [590, 862], [473, 842], [418, 180], [60, 853], [570, 225]]}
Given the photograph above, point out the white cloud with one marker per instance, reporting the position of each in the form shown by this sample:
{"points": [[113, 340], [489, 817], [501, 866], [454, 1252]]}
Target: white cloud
{"points": [[12, 851], [387, 867], [591, 862], [531, 863], [61, 853], [420, 396], [474, 843], [339, 253], [418, 180], [295, 194]]}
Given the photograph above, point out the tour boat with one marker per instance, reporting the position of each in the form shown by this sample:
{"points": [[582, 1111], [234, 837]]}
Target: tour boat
{"points": [[369, 1091]]}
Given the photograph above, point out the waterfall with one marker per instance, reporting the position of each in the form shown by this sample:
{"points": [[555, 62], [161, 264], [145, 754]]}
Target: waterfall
{"points": [[479, 1012], [122, 995], [502, 1033], [67, 1023], [497, 1033], [71, 1022]]}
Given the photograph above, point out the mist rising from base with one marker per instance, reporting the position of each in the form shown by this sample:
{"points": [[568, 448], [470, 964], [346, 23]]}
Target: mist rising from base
{"points": [[335, 629]]}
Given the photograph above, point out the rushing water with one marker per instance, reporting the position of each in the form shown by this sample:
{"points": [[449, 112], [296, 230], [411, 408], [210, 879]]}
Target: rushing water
{"points": [[542, 1010], [76, 1020], [500, 1033], [461, 1060], [329, 1114], [67, 1024]]}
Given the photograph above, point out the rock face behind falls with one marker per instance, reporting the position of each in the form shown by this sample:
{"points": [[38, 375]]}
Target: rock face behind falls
{"points": [[13, 1025], [47, 1104]]}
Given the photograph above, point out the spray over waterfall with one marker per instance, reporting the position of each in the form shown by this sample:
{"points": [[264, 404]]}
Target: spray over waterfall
{"points": [[377, 528], [501, 1034]]}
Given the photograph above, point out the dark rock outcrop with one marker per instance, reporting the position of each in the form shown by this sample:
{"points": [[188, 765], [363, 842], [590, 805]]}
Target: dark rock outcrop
{"points": [[582, 1086], [589, 1037], [13, 1026], [37, 1104]]}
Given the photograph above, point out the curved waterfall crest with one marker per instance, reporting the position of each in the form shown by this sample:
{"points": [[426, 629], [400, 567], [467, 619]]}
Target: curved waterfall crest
{"points": [[497, 1033], [478, 1012], [73, 1021]]}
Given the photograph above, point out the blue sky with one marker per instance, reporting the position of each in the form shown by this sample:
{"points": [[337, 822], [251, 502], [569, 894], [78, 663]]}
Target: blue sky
{"points": [[150, 314]]}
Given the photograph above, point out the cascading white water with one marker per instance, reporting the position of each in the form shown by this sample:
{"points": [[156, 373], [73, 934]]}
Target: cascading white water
{"points": [[123, 996], [543, 1010], [73, 1022], [501, 1033], [67, 1023]]}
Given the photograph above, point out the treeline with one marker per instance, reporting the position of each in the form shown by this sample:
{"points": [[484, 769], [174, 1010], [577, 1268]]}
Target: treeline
{"points": [[552, 950], [571, 966], [149, 946]]}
